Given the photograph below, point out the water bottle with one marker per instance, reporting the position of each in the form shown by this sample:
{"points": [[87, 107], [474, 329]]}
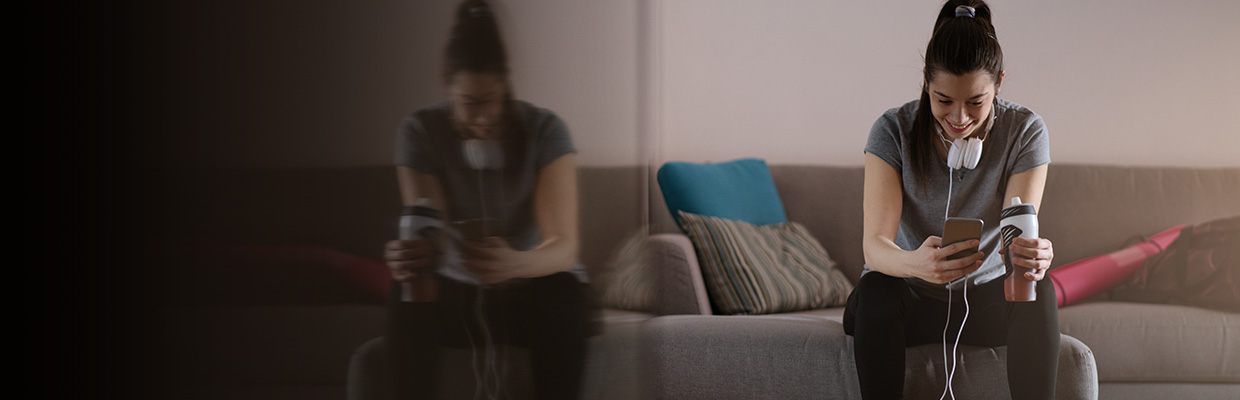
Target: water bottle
{"points": [[420, 221], [1018, 220]]}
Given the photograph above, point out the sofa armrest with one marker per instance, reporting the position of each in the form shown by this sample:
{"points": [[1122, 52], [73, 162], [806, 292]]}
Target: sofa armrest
{"points": [[680, 289]]}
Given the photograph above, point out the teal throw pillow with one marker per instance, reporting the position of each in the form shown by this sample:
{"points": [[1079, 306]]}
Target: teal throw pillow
{"points": [[740, 190]]}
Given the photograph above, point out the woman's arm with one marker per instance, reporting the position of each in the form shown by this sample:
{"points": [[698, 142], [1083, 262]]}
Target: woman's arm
{"points": [[1036, 253], [1028, 186], [881, 208], [882, 204], [415, 185], [555, 212]]}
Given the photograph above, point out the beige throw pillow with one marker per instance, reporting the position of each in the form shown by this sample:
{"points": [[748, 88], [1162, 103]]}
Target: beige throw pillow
{"points": [[627, 281], [752, 269]]}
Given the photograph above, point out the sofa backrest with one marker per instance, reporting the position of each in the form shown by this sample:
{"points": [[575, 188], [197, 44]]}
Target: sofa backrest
{"points": [[1086, 210], [1090, 210], [356, 209]]}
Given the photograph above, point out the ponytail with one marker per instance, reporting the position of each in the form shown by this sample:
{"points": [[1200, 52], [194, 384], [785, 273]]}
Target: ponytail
{"points": [[963, 42], [475, 44]]}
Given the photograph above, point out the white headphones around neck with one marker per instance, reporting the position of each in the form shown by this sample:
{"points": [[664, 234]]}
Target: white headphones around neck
{"points": [[964, 153], [483, 154], [968, 151]]}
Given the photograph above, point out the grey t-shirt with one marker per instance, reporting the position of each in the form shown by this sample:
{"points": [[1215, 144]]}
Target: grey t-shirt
{"points": [[428, 142], [1017, 143]]}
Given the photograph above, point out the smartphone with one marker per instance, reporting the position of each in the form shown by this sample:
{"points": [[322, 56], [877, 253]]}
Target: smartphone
{"points": [[476, 229], [961, 229]]}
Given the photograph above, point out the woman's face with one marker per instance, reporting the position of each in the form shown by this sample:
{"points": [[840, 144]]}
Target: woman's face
{"points": [[961, 103], [478, 101]]}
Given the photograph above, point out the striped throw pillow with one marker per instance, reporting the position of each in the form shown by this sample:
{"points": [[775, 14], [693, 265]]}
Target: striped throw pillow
{"points": [[752, 269], [627, 281]]}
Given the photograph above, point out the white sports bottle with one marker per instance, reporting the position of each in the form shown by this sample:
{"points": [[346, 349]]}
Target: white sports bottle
{"points": [[420, 221], [1018, 220]]}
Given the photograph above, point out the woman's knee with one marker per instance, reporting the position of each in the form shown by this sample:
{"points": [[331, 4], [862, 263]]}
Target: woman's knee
{"points": [[877, 297], [1046, 290], [562, 286], [561, 293], [1042, 312], [1047, 300], [879, 288]]}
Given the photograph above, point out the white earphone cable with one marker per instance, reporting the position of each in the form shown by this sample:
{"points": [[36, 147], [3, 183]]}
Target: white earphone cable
{"points": [[473, 359], [949, 374], [956, 345], [947, 390]]}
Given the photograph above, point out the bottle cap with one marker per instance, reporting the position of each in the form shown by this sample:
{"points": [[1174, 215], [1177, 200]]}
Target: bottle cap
{"points": [[1016, 200], [422, 209]]}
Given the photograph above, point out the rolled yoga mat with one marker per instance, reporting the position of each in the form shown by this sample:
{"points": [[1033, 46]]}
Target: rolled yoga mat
{"points": [[1083, 278]]}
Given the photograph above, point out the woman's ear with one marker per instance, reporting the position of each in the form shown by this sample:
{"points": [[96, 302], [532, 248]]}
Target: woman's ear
{"points": [[999, 82], [925, 86]]}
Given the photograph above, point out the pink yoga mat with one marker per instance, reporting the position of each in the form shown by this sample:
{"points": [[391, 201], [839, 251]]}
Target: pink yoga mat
{"points": [[1083, 278]]}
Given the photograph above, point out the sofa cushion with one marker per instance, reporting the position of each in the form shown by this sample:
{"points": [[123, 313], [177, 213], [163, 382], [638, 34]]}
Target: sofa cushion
{"points": [[789, 356], [611, 368], [265, 346], [1152, 342], [752, 269], [738, 190], [1164, 391], [834, 313]]}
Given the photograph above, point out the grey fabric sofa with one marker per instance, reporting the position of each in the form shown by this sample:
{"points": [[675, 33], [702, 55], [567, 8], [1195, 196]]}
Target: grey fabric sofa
{"points": [[1142, 351], [806, 354], [1145, 351], [301, 346], [676, 348]]}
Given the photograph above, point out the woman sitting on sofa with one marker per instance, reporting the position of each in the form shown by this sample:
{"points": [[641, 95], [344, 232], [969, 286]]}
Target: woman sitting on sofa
{"points": [[503, 173], [909, 286]]}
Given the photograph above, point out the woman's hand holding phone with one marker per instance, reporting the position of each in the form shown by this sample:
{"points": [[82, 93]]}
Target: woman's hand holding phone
{"points": [[930, 262], [942, 260], [492, 260]]}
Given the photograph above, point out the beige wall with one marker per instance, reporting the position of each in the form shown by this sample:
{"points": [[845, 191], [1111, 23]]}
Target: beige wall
{"points": [[294, 83], [801, 81], [289, 83]]}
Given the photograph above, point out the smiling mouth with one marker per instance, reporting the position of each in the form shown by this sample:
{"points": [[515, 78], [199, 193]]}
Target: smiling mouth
{"points": [[486, 132], [959, 128]]}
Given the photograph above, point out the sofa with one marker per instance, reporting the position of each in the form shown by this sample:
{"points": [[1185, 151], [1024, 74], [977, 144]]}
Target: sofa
{"points": [[315, 344], [1110, 350], [235, 328]]}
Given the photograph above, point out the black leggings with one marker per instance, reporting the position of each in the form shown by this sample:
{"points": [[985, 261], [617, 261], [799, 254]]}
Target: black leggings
{"points": [[548, 315], [884, 315]]}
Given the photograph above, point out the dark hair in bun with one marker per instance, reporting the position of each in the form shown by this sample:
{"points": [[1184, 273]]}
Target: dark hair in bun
{"points": [[964, 41], [475, 44]]}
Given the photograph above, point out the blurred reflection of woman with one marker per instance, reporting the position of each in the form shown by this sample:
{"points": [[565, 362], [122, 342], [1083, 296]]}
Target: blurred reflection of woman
{"points": [[504, 174]]}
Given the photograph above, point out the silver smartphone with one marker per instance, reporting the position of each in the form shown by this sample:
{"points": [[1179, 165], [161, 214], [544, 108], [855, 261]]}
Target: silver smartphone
{"points": [[961, 229]]}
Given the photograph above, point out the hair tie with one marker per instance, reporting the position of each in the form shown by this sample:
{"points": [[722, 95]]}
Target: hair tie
{"points": [[965, 11], [479, 11]]}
